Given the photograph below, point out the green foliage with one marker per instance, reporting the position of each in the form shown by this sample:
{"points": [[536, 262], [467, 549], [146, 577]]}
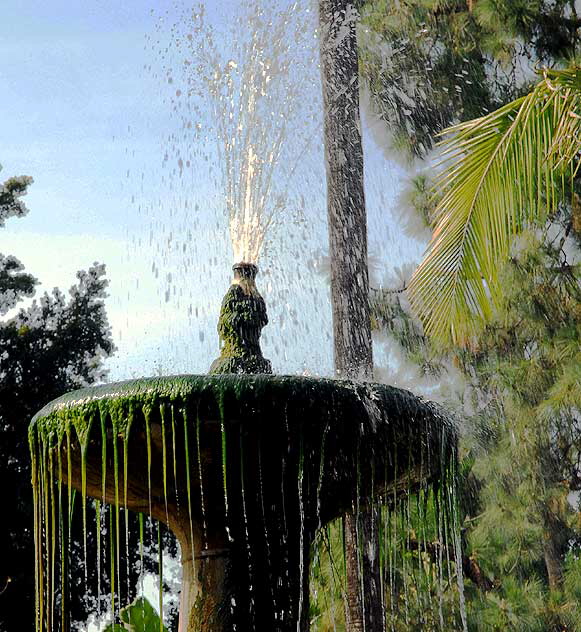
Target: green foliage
{"points": [[429, 63], [418, 568], [501, 172], [139, 616], [529, 525], [10, 193], [52, 346], [15, 283], [422, 63], [327, 582], [521, 526], [516, 607]]}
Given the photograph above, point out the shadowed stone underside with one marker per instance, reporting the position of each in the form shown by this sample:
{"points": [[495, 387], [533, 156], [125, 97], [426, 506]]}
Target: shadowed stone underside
{"points": [[244, 469]]}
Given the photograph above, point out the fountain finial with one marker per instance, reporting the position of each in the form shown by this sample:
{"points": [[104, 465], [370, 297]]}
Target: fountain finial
{"points": [[242, 317]]}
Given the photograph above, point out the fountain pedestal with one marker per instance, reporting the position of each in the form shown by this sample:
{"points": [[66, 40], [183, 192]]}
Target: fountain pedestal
{"points": [[243, 469], [242, 318]]}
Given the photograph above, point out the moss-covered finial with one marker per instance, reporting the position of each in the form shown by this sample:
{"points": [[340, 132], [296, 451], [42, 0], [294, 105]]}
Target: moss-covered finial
{"points": [[242, 317]]}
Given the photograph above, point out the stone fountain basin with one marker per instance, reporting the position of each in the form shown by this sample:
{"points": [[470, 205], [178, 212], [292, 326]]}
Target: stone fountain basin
{"points": [[349, 441], [249, 465]]}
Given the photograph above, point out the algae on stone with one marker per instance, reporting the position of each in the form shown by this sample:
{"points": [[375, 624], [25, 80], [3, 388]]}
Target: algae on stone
{"points": [[242, 468], [242, 318]]}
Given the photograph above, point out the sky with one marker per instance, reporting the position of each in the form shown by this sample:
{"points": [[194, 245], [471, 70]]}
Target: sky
{"points": [[87, 112]]}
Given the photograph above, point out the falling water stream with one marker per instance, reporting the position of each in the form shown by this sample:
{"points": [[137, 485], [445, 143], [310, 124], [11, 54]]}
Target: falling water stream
{"points": [[271, 462], [111, 443]]}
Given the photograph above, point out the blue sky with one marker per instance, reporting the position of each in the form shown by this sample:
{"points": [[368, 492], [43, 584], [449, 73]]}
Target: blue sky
{"points": [[85, 112], [72, 86]]}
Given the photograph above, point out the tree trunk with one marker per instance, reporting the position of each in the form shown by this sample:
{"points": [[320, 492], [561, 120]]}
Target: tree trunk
{"points": [[349, 274], [552, 563], [554, 546], [345, 193], [353, 607]]}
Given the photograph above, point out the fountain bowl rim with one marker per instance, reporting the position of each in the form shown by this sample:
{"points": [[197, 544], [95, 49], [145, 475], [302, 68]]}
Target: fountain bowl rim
{"points": [[185, 385]]}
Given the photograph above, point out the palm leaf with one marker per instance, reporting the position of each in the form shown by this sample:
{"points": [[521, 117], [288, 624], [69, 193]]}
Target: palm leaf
{"points": [[499, 173]]}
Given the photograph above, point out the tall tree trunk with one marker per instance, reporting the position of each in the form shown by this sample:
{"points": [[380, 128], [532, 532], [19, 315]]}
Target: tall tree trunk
{"points": [[554, 547], [553, 563], [349, 274]]}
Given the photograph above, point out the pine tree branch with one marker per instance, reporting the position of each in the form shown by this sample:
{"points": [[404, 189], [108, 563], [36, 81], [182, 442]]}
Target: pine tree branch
{"points": [[470, 566], [574, 483], [378, 292]]}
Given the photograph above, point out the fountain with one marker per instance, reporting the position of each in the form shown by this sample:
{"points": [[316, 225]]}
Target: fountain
{"points": [[243, 466]]}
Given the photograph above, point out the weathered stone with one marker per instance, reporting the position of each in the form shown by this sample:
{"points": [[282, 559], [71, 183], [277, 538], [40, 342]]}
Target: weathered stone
{"points": [[242, 318], [271, 459]]}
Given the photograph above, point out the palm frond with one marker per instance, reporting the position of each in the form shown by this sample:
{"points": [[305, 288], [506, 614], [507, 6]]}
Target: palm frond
{"points": [[499, 173]]}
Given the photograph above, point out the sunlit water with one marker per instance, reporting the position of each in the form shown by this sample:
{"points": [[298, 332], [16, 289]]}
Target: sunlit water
{"points": [[242, 88], [181, 241], [241, 177]]}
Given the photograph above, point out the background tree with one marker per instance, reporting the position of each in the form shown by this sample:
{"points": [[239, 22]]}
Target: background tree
{"points": [[501, 172], [52, 346], [516, 388], [519, 401], [431, 63], [347, 227]]}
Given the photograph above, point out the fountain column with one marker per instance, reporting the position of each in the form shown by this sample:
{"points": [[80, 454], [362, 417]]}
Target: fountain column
{"points": [[256, 576]]}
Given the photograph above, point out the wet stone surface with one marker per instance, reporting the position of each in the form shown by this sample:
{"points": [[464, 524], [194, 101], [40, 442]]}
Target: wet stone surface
{"points": [[243, 469]]}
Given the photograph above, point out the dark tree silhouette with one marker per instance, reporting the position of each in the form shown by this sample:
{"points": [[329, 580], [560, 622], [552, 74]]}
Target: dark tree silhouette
{"points": [[56, 344]]}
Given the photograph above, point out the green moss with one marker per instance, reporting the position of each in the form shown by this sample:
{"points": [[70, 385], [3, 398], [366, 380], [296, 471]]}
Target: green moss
{"points": [[323, 429], [229, 396], [242, 318]]}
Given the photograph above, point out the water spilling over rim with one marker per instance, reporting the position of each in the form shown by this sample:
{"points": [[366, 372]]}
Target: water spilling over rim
{"points": [[412, 438], [365, 441], [239, 464], [378, 403]]}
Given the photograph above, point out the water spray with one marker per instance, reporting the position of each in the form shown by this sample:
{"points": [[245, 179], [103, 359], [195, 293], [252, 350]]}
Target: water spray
{"points": [[242, 318]]}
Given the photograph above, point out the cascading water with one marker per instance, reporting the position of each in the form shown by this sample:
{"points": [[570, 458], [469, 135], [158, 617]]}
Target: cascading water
{"points": [[245, 532], [247, 470]]}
